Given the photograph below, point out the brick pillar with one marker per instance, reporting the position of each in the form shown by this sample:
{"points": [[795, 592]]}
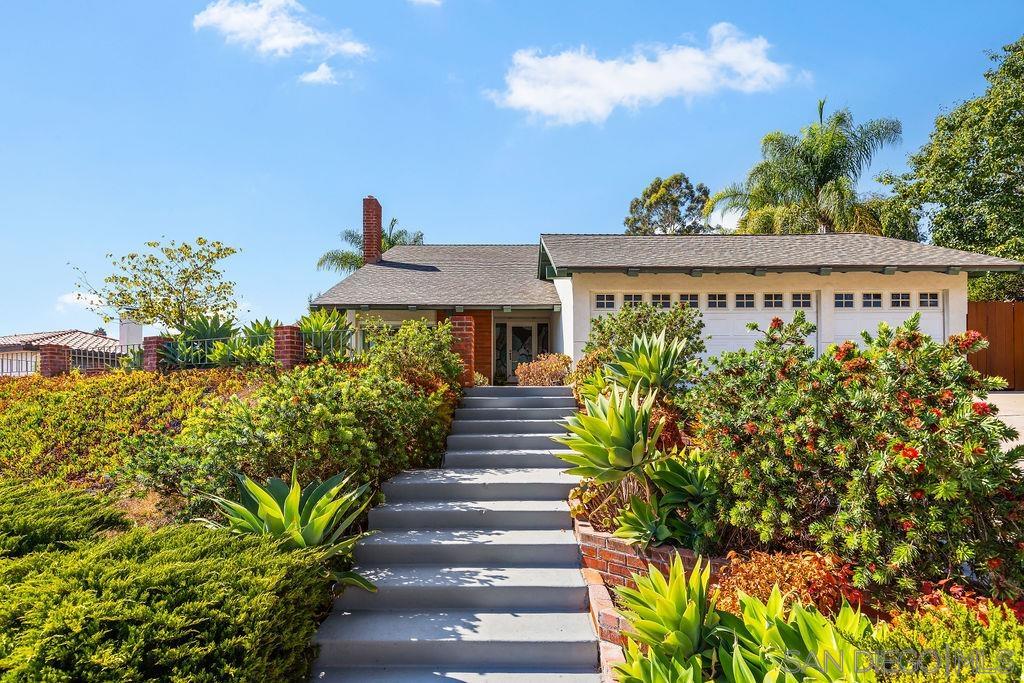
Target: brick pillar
{"points": [[54, 359], [151, 352], [464, 329], [289, 351], [373, 229]]}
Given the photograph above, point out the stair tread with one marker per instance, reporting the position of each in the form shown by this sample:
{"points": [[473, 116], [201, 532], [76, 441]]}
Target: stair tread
{"points": [[456, 537], [399, 674], [457, 626], [474, 505], [484, 475], [424, 576]]}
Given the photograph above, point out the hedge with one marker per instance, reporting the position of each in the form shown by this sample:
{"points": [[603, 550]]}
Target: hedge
{"points": [[75, 427], [185, 603], [36, 516]]}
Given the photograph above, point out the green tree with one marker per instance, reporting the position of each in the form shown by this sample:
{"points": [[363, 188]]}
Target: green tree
{"points": [[808, 182], [670, 206], [348, 260], [169, 285], [967, 182]]}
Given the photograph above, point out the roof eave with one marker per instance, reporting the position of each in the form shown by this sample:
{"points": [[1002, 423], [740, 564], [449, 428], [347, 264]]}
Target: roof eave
{"points": [[792, 269]]}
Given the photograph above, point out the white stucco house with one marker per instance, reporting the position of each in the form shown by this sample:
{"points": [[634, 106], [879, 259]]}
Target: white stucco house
{"points": [[531, 299]]}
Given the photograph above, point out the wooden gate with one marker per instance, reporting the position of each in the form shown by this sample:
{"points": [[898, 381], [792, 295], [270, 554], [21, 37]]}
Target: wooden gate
{"points": [[1003, 323]]}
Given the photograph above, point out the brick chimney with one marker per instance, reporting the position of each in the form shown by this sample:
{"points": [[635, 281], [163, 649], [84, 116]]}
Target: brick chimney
{"points": [[373, 229]]}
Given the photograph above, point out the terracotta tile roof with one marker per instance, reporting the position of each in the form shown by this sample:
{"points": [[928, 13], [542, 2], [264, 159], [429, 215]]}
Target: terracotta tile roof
{"points": [[76, 339], [839, 251], [441, 276]]}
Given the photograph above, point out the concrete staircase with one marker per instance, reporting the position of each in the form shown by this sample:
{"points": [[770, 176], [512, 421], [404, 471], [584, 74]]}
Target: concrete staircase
{"points": [[476, 565]]}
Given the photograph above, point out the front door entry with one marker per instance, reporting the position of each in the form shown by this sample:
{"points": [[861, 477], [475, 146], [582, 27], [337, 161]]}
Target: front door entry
{"points": [[521, 346]]}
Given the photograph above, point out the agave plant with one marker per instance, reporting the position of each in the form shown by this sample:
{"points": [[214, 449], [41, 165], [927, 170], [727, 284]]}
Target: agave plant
{"points": [[647, 666], [687, 484], [594, 385], [614, 438], [652, 363], [770, 646], [316, 516], [326, 333], [674, 616], [193, 344], [646, 523]]}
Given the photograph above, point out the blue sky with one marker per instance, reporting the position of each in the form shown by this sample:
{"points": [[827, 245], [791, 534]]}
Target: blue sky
{"points": [[264, 124]]}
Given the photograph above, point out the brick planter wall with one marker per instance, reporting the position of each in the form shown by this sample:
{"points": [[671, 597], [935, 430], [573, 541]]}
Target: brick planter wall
{"points": [[615, 562]]}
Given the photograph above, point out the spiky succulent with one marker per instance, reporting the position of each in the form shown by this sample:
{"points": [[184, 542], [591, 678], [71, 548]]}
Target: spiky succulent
{"points": [[614, 438]]}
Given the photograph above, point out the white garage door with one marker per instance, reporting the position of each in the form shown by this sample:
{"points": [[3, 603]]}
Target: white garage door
{"points": [[726, 316], [857, 311]]}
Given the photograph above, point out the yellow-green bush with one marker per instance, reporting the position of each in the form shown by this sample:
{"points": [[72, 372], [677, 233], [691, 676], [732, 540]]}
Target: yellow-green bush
{"points": [[37, 516], [76, 427], [183, 603]]}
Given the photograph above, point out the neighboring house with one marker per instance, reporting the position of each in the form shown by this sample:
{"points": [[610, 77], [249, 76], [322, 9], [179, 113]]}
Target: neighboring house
{"points": [[19, 353], [531, 299]]}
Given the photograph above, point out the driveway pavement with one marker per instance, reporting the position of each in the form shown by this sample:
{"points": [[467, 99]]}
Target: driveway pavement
{"points": [[1011, 411]]}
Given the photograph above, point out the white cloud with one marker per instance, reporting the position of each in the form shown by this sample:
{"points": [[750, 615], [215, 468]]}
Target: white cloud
{"points": [[431, 3], [576, 86], [322, 75], [728, 220], [72, 300], [277, 28]]}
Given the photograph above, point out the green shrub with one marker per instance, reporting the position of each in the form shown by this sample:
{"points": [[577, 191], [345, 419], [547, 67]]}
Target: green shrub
{"points": [[80, 427], [617, 330], [324, 418], [885, 454], [965, 642], [180, 604], [415, 350], [326, 333], [38, 515]]}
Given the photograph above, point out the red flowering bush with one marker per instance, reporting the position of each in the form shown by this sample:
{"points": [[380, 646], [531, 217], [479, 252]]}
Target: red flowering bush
{"points": [[885, 454]]}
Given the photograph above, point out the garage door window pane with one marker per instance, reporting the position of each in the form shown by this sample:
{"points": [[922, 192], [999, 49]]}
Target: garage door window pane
{"points": [[773, 301], [871, 300], [632, 299], [802, 300], [661, 300], [604, 301], [929, 299], [689, 300], [716, 301], [901, 300], [744, 301], [844, 300]]}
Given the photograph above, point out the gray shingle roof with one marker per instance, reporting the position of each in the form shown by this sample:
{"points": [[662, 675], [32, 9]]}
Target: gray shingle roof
{"points": [[76, 339], [838, 251], [441, 276]]}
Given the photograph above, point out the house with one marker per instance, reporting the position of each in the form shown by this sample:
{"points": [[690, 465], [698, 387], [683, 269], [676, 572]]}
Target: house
{"points": [[525, 300], [19, 353]]}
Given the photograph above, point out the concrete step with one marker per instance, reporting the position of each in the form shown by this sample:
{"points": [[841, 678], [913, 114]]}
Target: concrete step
{"points": [[470, 548], [483, 514], [538, 483], [505, 458], [517, 402], [507, 427], [424, 587], [454, 638], [485, 442], [514, 413], [399, 674], [518, 391]]}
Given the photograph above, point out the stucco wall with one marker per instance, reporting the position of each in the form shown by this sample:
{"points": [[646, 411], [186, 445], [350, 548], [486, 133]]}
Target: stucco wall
{"points": [[577, 294]]}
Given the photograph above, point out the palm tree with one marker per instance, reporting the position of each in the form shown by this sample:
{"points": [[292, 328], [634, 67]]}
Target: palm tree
{"points": [[348, 260], [808, 182]]}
